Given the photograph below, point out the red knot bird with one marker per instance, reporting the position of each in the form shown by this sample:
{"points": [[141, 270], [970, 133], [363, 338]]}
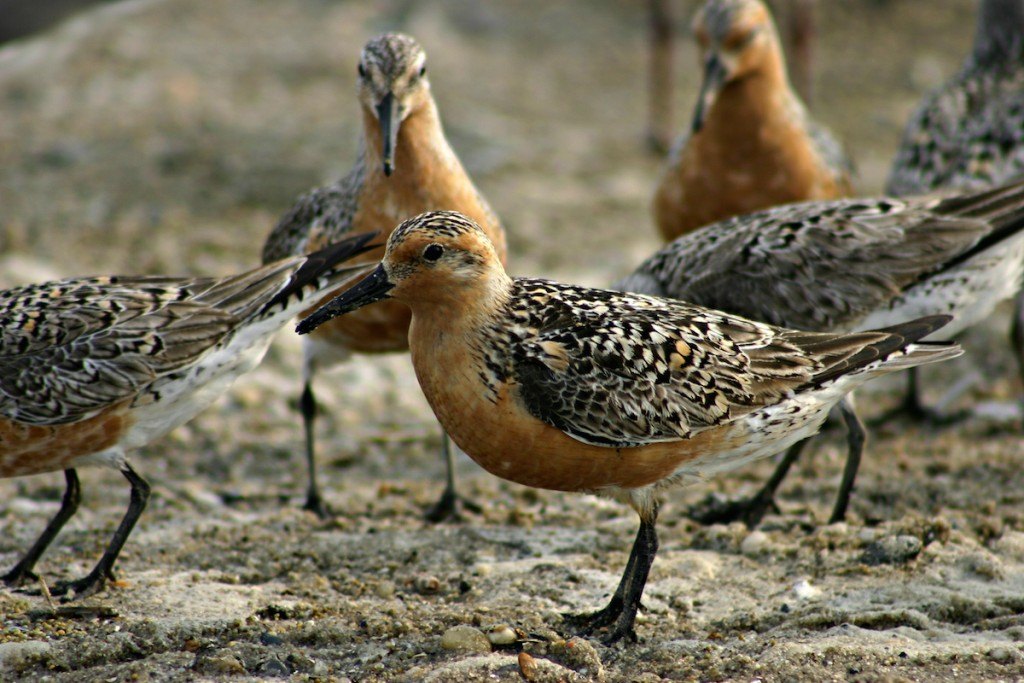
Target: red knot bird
{"points": [[575, 389], [93, 368], [405, 166], [752, 144], [845, 265], [969, 135]]}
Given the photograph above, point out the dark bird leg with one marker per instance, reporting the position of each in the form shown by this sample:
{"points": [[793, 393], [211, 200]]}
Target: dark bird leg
{"points": [[22, 571], [307, 406], [104, 569], [659, 75], [587, 623], [1017, 332], [447, 506], [855, 438], [620, 613]]}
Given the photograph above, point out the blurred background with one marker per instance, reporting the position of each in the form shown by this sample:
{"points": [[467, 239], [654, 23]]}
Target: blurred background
{"points": [[169, 135]]}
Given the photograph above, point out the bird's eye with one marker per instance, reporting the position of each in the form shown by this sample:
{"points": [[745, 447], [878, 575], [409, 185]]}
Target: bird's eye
{"points": [[362, 70], [423, 71], [433, 252]]}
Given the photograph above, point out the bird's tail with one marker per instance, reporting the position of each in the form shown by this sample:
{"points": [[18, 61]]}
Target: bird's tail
{"points": [[883, 350]]}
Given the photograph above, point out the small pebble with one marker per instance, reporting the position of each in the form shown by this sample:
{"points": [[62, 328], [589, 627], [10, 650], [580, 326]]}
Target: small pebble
{"points": [[426, 584], [274, 668], [805, 591], [218, 663], [580, 655], [985, 565], [501, 634], [463, 638], [527, 666], [754, 543], [1003, 654], [15, 654], [892, 550], [268, 638]]}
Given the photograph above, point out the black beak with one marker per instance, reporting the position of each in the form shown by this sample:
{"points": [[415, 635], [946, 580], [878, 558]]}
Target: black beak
{"points": [[387, 116], [714, 78], [370, 289]]}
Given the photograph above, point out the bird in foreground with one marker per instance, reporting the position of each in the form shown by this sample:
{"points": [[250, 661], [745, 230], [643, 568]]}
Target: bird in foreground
{"points": [[845, 265], [93, 368], [575, 389], [405, 166], [969, 135], [752, 144]]}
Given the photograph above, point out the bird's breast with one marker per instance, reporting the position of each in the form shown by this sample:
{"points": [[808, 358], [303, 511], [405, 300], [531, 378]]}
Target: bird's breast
{"points": [[491, 424]]}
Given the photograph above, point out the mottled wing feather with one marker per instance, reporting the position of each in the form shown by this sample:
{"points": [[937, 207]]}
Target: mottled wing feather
{"points": [[811, 266], [625, 370], [76, 347], [967, 135]]}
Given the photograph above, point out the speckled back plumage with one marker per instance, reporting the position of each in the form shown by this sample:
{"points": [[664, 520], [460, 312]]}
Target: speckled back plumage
{"points": [[77, 346], [623, 370], [829, 265], [969, 133], [73, 347]]}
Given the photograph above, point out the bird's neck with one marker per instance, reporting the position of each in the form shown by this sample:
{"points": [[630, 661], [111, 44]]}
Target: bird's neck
{"points": [[421, 149], [761, 98], [453, 316], [460, 351]]}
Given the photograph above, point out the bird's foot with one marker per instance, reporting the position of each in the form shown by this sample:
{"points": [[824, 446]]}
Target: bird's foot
{"points": [[315, 504], [449, 507], [716, 509]]}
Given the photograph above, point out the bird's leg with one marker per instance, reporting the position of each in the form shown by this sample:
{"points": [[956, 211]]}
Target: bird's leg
{"points": [[1017, 332], [856, 435], [307, 406], [620, 612], [647, 548], [588, 622], [447, 506], [104, 569], [659, 75], [22, 571]]}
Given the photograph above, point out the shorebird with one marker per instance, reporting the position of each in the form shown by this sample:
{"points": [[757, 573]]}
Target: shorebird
{"points": [[752, 144], [93, 368], [969, 135], [575, 389], [405, 166], [845, 265]]}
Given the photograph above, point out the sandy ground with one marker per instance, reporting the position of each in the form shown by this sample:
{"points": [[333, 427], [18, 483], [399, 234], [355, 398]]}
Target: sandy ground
{"points": [[168, 135]]}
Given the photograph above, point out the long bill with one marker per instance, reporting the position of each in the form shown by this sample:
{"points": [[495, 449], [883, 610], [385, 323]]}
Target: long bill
{"points": [[372, 288], [387, 117], [714, 78]]}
